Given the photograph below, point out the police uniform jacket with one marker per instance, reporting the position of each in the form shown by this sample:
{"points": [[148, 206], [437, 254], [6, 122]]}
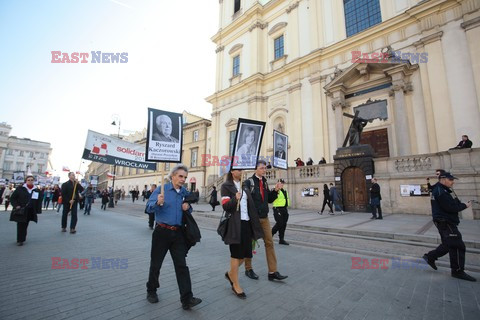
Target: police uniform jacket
{"points": [[444, 205]]}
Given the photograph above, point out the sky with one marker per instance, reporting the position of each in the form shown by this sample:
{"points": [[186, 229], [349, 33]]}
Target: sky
{"points": [[171, 66]]}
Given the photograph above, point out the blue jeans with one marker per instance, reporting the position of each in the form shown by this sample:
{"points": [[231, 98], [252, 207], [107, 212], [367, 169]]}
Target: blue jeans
{"points": [[88, 205]]}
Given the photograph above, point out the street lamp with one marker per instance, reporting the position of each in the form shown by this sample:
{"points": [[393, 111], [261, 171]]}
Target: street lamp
{"points": [[110, 202]]}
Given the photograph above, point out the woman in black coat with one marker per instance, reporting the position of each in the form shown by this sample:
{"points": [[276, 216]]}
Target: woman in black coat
{"points": [[213, 198], [243, 226], [29, 197], [326, 199]]}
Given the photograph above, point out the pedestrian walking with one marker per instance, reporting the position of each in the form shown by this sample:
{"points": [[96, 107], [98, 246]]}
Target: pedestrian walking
{"points": [[105, 198], [71, 194], [151, 214], [326, 200], [335, 197], [242, 226], [47, 197], [445, 209], [28, 198], [280, 213], [375, 198], [88, 195], [6, 195], [168, 236], [258, 187], [213, 198], [55, 195]]}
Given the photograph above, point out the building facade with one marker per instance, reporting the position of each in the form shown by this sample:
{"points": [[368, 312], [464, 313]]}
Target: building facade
{"points": [[299, 65], [22, 154]]}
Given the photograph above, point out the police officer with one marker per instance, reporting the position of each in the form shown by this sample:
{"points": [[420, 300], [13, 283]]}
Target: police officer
{"points": [[280, 213], [445, 208]]}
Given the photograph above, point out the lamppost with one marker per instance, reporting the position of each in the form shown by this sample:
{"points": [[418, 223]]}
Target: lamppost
{"points": [[111, 203]]}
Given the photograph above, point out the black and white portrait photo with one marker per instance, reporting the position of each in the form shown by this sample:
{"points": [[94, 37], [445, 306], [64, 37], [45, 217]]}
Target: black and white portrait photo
{"points": [[247, 143], [164, 136], [280, 145], [163, 129]]}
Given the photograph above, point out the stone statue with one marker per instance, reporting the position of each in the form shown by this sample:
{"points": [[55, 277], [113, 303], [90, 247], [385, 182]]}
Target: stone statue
{"points": [[355, 130]]}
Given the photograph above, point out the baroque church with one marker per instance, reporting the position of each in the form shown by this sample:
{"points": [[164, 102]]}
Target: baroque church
{"points": [[408, 67]]}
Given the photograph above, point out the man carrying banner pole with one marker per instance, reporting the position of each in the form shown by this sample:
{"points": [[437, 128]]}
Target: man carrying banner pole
{"points": [[71, 191]]}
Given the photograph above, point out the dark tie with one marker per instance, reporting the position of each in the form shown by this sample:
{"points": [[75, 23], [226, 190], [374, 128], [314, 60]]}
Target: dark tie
{"points": [[261, 189]]}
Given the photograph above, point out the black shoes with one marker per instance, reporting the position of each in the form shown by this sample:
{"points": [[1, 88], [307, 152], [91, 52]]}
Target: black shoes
{"points": [[251, 274], [379, 218], [64, 230], [462, 275], [20, 243], [276, 276], [241, 295], [191, 303], [152, 297], [431, 263], [283, 242], [373, 218]]}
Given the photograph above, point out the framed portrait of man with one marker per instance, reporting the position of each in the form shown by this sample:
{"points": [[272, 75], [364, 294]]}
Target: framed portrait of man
{"points": [[164, 136], [280, 147], [248, 141]]}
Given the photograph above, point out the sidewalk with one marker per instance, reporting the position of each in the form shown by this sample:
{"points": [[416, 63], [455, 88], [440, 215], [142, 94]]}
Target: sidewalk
{"points": [[406, 227], [321, 283]]}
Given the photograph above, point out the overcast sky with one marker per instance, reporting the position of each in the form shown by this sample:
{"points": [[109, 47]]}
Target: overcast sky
{"points": [[171, 66]]}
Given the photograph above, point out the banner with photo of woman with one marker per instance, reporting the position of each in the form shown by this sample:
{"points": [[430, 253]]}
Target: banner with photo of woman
{"points": [[164, 136], [280, 147], [248, 141]]}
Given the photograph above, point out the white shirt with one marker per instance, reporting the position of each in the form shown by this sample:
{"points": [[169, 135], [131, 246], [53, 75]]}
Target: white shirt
{"points": [[243, 203]]}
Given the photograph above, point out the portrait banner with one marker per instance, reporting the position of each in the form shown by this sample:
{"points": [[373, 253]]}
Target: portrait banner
{"points": [[248, 140], [94, 180], [110, 150], [164, 136], [280, 150], [56, 180], [18, 177], [3, 182]]}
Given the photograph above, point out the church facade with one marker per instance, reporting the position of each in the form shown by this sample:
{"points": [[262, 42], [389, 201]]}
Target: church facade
{"points": [[304, 66]]}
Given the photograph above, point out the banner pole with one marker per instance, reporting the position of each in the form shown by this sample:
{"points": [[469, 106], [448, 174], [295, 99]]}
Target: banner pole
{"points": [[73, 194]]}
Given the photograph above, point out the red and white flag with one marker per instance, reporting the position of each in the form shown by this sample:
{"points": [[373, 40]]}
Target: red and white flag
{"points": [[110, 175], [65, 168]]}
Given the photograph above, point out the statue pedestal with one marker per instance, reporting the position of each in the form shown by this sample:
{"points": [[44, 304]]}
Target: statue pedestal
{"points": [[359, 150], [353, 167]]}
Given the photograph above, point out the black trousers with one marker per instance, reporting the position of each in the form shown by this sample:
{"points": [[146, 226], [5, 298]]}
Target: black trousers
{"points": [[66, 209], [281, 219], [452, 244], [164, 240], [327, 202], [151, 219], [22, 231]]}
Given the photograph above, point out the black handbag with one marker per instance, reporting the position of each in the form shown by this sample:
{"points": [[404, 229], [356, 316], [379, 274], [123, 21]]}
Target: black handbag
{"points": [[223, 225], [19, 215]]}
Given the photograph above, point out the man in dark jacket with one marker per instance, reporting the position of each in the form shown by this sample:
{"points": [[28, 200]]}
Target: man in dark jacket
{"points": [[375, 198], [445, 209], [262, 196], [71, 194], [464, 143]]}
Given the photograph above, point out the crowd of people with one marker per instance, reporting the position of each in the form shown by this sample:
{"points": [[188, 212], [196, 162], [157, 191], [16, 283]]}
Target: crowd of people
{"points": [[246, 207]]}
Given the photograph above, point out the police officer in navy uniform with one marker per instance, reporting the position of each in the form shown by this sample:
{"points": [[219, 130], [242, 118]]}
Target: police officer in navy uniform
{"points": [[445, 209]]}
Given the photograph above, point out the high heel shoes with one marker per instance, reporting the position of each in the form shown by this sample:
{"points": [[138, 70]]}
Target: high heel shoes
{"points": [[241, 295]]}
